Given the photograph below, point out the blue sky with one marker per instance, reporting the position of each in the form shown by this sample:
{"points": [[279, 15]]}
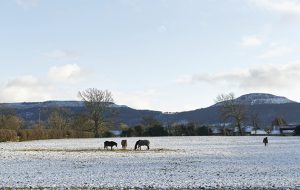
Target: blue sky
{"points": [[168, 55]]}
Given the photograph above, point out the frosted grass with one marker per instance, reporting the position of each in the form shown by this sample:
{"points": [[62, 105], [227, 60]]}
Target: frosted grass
{"points": [[172, 162]]}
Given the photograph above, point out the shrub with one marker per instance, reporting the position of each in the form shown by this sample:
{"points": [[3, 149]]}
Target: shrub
{"points": [[107, 134], [8, 135], [297, 130], [202, 131], [156, 131], [39, 133]]}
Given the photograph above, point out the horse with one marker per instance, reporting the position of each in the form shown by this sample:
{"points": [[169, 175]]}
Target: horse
{"points": [[110, 143], [124, 144], [140, 143]]}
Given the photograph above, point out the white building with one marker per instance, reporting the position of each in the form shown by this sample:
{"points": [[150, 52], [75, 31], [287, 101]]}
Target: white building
{"points": [[259, 132], [248, 130], [275, 130], [216, 131]]}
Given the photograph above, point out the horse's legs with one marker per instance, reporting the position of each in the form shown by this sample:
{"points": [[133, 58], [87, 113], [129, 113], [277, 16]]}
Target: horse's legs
{"points": [[148, 147]]}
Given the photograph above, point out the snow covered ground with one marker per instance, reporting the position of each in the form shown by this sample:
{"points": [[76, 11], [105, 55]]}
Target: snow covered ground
{"points": [[172, 162]]}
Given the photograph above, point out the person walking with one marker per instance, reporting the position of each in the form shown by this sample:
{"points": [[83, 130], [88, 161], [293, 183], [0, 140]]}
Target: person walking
{"points": [[265, 141]]}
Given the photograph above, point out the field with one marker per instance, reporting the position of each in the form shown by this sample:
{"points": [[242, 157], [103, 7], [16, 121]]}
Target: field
{"points": [[172, 162]]}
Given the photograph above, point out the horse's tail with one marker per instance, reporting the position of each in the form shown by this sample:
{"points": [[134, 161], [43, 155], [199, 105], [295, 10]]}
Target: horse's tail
{"points": [[148, 144], [136, 144]]}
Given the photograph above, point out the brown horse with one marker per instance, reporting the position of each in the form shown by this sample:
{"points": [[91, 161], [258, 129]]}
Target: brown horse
{"points": [[124, 144]]}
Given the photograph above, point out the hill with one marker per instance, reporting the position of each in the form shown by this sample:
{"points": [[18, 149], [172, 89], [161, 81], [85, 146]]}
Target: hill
{"points": [[266, 106]]}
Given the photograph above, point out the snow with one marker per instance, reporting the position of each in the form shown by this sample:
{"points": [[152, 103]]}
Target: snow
{"points": [[278, 100], [172, 162], [261, 98], [260, 132], [29, 105], [275, 132]]}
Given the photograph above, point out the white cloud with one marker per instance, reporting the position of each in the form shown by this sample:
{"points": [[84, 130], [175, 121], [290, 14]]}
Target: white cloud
{"points": [[184, 79], [162, 28], [65, 73], [283, 6], [251, 41], [25, 88], [63, 55], [27, 4], [276, 51], [275, 77], [31, 88], [135, 5]]}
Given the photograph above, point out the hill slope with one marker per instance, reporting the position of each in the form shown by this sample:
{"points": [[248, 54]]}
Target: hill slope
{"points": [[266, 106]]}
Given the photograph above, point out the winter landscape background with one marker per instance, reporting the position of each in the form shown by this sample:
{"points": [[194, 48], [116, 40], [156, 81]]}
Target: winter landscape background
{"points": [[265, 106], [204, 80], [172, 162]]}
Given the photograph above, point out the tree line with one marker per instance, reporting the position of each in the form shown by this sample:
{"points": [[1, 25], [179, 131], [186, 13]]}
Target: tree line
{"points": [[61, 123], [151, 127], [233, 111], [58, 125], [97, 119]]}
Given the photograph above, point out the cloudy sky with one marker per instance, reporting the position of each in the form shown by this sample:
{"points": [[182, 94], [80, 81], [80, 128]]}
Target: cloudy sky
{"points": [[168, 55]]}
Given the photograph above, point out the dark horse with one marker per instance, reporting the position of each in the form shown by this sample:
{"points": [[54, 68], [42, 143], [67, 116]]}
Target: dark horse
{"points": [[140, 143], [110, 143]]}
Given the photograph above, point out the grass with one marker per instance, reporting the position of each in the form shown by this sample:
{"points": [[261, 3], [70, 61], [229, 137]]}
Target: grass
{"points": [[157, 150], [144, 188]]}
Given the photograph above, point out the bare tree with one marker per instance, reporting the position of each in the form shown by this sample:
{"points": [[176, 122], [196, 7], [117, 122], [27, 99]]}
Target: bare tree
{"points": [[254, 119], [230, 108], [9, 118], [58, 119], [97, 102], [278, 121]]}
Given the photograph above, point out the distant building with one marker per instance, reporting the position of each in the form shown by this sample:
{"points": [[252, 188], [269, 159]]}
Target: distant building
{"points": [[216, 131], [116, 133], [275, 131], [248, 130], [259, 132], [236, 131], [287, 130]]}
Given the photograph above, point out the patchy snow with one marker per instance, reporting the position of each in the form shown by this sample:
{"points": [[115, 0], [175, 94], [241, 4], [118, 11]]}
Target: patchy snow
{"points": [[172, 162], [70, 104], [261, 98]]}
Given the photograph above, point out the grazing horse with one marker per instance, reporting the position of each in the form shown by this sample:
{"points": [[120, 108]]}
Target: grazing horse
{"points": [[140, 143], [124, 144], [110, 143]]}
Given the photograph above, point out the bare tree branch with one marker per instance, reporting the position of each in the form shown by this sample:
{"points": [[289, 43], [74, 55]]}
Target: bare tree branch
{"points": [[97, 103], [230, 108]]}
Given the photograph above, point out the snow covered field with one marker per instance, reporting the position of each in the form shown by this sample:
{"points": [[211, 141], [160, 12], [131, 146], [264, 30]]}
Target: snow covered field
{"points": [[172, 162]]}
